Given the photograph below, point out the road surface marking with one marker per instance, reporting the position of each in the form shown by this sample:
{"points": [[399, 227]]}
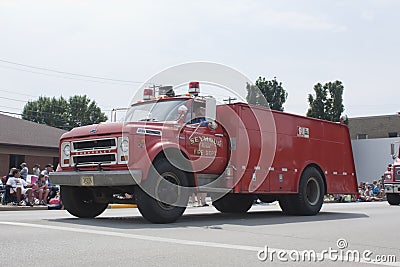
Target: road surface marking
{"points": [[170, 240]]}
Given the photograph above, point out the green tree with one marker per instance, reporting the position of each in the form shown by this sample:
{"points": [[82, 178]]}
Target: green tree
{"points": [[327, 104], [254, 96], [60, 113], [267, 93]]}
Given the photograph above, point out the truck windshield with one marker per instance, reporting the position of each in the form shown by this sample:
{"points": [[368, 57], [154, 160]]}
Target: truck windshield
{"points": [[164, 110]]}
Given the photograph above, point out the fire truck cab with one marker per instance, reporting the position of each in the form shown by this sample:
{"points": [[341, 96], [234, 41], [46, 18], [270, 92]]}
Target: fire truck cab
{"points": [[392, 179], [170, 146]]}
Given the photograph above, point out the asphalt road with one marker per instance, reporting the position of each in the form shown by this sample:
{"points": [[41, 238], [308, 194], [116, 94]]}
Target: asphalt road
{"points": [[202, 237]]}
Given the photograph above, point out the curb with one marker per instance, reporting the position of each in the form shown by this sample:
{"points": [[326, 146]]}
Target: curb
{"points": [[23, 208], [27, 208], [122, 206]]}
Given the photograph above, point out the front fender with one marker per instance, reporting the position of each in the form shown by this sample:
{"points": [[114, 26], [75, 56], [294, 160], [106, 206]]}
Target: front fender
{"points": [[158, 150]]}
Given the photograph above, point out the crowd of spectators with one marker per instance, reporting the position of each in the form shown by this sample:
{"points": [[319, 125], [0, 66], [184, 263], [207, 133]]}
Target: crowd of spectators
{"points": [[371, 192], [17, 189], [367, 192]]}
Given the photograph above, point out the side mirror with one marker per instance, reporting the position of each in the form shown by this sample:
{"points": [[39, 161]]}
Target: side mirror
{"points": [[392, 152], [211, 109]]}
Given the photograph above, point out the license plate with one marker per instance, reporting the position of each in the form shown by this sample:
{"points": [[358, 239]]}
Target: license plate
{"points": [[87, 181]]}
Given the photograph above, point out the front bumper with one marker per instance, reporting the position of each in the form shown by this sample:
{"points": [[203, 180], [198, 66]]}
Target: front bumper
{"points": [[97, 178], [392, 188]]}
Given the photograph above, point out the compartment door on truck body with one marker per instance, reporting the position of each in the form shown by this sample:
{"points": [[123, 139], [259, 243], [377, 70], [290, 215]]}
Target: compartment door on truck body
{"points": [[259, 130]]}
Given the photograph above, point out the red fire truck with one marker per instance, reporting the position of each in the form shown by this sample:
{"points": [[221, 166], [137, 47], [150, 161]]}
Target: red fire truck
{"points": [[236, 152], [392, 179]]}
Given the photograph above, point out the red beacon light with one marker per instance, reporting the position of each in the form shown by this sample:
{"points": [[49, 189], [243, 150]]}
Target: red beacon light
{"points": [[148, 94], [194, 88]]}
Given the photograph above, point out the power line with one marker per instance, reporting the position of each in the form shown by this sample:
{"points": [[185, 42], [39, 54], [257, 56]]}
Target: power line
{"points": [[39, 112], [26, 101], [68, 73], [13, 92], [35, 96], [10, 107], [13, 99], [58, 76], [12, 113]]}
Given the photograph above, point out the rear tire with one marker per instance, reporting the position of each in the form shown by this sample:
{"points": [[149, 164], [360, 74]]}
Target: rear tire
{"points": [[393, 199], [310, 198], [80, 202], [164, 182], [234, 203]]}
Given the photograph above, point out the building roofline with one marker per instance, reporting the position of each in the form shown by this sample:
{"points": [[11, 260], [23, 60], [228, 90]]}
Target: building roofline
{"points": [[377, 116], [28, 146]]}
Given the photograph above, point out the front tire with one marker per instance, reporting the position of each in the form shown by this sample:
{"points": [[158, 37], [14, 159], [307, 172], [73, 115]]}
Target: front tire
{"points": [[234, 203], [393, 199], [310, 198], [80, 202], [163, 196]]}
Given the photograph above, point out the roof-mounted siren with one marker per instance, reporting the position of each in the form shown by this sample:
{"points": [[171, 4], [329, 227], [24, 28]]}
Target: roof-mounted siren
{"points": [[194, 88], [166, 91], [148, 94]]}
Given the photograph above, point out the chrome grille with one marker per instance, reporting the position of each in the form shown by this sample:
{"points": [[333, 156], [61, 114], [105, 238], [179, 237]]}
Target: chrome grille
{"points": [[94, 152], [95, 144], [94, 159]]}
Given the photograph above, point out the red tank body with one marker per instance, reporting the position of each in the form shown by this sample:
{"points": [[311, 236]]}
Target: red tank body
{"points": [[327, 146]]}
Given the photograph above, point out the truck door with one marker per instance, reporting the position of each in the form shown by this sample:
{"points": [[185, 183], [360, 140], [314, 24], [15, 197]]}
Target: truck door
{"points": [[207, 148]]}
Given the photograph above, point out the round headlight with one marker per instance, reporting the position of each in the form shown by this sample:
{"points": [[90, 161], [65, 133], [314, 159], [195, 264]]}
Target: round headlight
{"points": [[67, 150], [125, 146]]}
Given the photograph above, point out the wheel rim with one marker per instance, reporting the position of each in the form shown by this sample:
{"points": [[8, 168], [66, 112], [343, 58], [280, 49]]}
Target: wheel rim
{"points": [[313, 191], [168, 190]]}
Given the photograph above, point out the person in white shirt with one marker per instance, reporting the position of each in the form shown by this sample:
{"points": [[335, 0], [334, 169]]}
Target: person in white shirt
{"points": [[18, 186], [47, 169]]}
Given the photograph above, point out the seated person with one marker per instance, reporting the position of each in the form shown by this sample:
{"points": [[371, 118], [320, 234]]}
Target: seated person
{"points": [[42, 189], [381, 191], [53, 189], [18, 186], [182, 111], [378, 189], [369, 194]]}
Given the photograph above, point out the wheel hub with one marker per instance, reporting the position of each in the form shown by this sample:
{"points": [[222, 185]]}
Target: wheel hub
{"points": [[167, 190], [313, 191]]}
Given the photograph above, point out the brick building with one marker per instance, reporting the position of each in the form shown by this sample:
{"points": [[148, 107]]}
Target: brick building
{"points": [[25, 141], [386, 126]]}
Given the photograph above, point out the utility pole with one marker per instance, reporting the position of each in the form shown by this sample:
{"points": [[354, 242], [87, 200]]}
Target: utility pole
{"points": [[230, 99]]}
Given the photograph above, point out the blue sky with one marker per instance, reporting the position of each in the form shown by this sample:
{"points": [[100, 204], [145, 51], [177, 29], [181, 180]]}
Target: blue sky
{"points": [[299, 42]]}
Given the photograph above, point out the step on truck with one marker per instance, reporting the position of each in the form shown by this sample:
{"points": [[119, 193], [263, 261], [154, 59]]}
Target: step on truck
{"points": [[170, 146], [392, 178]]}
